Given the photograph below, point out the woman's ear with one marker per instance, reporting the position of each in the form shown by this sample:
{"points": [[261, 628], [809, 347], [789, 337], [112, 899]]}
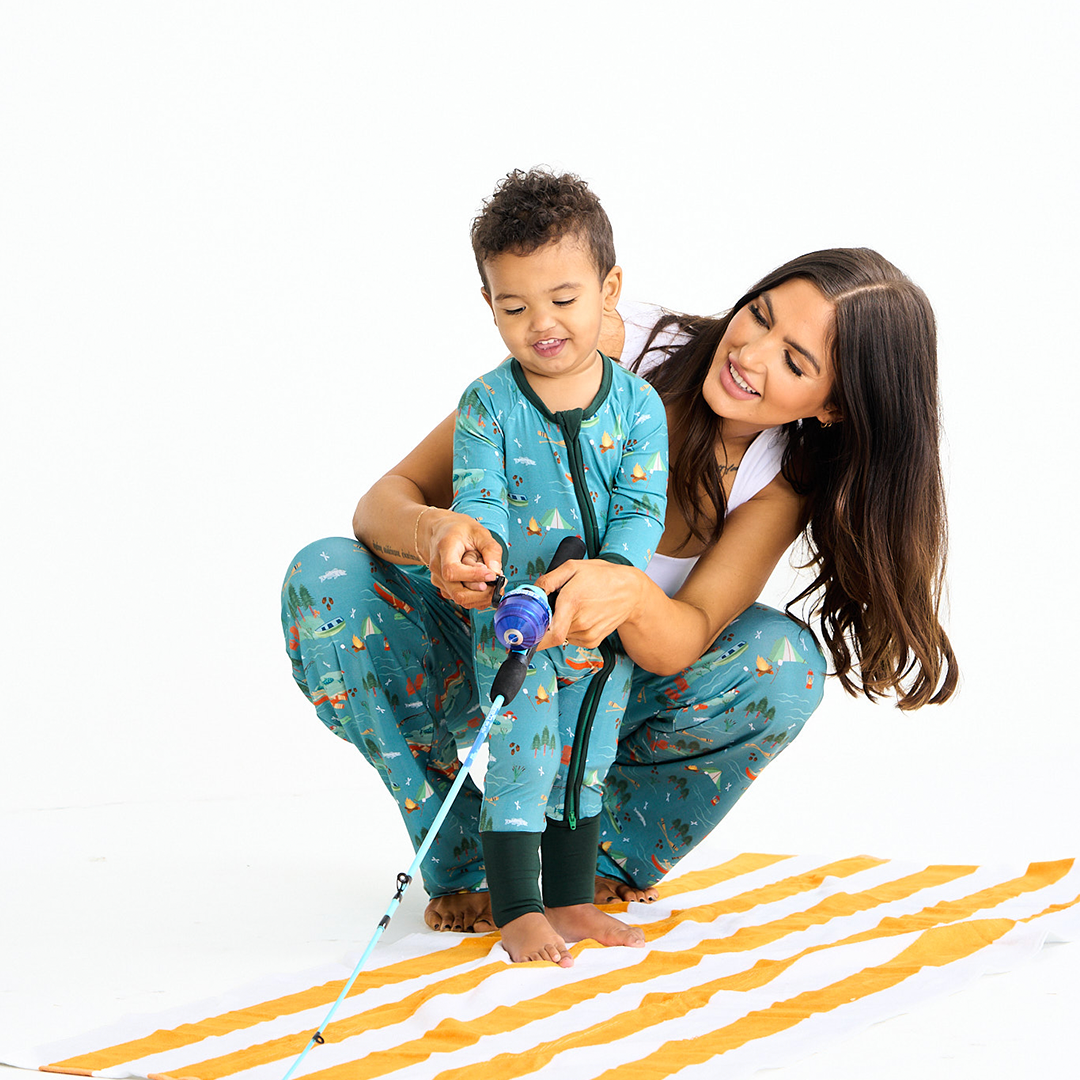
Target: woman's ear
{"points": [[829, 415]]}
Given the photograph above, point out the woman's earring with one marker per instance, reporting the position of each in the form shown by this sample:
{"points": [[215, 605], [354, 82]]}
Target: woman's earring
{"points": [[826, 423]]}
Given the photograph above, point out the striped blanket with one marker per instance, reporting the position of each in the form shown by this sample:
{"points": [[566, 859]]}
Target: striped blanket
{"points": [[755, 961]]}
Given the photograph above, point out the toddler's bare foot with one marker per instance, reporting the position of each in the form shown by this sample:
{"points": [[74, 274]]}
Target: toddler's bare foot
{"points": [[464, 913], [608, 891], [531, 937], [585, 921]]}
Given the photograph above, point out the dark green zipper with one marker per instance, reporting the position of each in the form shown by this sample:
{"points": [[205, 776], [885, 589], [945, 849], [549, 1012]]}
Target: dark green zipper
{"points": [[570, 425]]}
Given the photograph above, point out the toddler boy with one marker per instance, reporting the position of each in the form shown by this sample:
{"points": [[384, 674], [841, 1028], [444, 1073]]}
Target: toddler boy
{"points": [[557, 440]]}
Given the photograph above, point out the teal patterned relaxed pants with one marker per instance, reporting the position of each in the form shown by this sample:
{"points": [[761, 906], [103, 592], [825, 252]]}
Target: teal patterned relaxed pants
{"points": [[387, 664]]}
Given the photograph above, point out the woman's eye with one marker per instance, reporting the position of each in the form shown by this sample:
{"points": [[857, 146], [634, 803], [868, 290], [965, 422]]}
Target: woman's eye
{"points": [[791, 364], [758, 317]]}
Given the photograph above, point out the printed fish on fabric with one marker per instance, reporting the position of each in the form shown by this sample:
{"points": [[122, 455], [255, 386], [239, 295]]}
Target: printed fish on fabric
{"points": [[532, 477]]}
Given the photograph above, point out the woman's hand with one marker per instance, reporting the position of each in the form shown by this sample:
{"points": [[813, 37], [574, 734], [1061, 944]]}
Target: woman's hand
{"points": [[597, 597], [464, 558]]}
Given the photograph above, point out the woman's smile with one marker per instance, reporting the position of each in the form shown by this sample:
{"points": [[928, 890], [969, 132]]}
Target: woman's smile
{"points": [[739, 381]]}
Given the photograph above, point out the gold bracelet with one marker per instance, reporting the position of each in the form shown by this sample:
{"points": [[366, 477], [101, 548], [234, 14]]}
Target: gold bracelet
{"points": [[416, 534]]}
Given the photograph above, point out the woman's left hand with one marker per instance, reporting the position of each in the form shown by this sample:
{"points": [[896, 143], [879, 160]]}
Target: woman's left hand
{"points": [[597, 597]]}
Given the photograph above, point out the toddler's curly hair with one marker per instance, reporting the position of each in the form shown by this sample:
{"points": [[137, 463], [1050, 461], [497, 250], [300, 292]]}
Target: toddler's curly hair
{"points": [[534, 208]]}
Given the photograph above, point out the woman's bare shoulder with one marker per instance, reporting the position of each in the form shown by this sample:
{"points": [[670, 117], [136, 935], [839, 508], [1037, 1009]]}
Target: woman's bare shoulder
{"points": [[730, 575], [612, 335]]}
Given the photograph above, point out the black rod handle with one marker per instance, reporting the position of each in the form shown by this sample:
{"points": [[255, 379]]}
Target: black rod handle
{"points": [[570, 547]]}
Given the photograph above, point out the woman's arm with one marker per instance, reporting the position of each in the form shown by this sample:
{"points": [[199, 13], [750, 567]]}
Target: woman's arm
{"points": [[403, 518], [384, 517], [662, 634]]}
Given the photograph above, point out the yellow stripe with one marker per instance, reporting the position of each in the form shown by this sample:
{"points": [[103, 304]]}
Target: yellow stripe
{"points": [[452, 1034], [655, 1008], [187, 1034], [394, 1012], [715, 875], [935, 947], [765, 894], [288, 1046], [467, 951]]}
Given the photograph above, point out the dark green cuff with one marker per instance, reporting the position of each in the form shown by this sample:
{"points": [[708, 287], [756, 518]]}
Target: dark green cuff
{"points": [[612, 557], [512, 860], [569, 857]]}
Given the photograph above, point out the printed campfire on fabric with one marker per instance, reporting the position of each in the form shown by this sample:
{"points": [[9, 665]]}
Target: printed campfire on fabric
{"points": [[756, 961]]}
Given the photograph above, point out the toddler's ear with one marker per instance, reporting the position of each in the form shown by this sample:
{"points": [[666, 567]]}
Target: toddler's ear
{"points": [[611, 288], [487, 300]]}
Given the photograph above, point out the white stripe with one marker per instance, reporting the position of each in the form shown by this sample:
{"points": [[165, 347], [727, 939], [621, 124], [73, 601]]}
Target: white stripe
{"points": [[512, 985]]}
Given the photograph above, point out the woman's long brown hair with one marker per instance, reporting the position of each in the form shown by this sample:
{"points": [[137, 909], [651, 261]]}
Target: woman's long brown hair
{"points": [[874, 515]]}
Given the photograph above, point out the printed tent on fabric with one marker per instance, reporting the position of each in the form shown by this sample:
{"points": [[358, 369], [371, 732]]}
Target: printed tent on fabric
{"points": [[749, 965]]}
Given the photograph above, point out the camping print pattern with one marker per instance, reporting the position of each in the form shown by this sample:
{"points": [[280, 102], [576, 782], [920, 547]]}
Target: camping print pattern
{"points": [[390, 679], [693, 743], [514, 470], [533, 478]]}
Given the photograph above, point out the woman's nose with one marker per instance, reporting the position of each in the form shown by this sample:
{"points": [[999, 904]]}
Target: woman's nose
{"points": [[750, 356]]}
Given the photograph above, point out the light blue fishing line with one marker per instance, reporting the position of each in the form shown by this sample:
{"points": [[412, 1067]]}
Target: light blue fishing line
{"points": [[405, 879]]}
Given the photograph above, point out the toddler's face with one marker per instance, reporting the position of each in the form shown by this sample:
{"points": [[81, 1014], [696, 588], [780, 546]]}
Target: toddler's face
{"points": [[549, 306]]}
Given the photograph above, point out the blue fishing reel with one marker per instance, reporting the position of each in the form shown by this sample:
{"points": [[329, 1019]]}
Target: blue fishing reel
{"points": [[521, 620]]}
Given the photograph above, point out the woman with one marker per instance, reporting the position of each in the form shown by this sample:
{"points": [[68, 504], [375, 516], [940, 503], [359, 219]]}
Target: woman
{"points": [[810, 407]]}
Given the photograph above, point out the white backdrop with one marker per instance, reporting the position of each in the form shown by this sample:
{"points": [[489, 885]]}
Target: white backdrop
{"points": [[237, 286]]}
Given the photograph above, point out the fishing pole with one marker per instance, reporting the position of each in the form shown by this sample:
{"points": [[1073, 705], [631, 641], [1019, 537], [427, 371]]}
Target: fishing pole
{"points": [[522, 617]]}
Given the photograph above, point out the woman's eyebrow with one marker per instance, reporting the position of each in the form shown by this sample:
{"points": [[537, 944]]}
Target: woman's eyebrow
{"points": [[787, 341]]}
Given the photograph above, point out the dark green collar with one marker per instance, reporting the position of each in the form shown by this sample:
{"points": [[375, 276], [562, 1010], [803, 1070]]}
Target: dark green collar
{"points": [[530, 394]]}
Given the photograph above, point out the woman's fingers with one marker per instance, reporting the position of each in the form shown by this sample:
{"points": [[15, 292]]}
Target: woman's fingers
{"points": [[555, 579], [595, 598], [464, 560]]}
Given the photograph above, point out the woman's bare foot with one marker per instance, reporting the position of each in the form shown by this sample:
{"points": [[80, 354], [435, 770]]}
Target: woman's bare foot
{"points": [[581, 921], [464, 913], [532, 937], [609, 891]]}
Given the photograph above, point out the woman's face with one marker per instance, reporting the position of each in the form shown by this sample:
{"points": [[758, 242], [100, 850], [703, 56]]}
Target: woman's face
{"points": [[772, 365]]}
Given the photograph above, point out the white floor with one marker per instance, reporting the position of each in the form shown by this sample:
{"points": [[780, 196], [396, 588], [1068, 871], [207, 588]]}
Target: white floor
{"points": [[135, 908]]}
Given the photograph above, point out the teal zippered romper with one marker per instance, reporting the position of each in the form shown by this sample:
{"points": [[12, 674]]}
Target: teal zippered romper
{"points": [[532, 477]]}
